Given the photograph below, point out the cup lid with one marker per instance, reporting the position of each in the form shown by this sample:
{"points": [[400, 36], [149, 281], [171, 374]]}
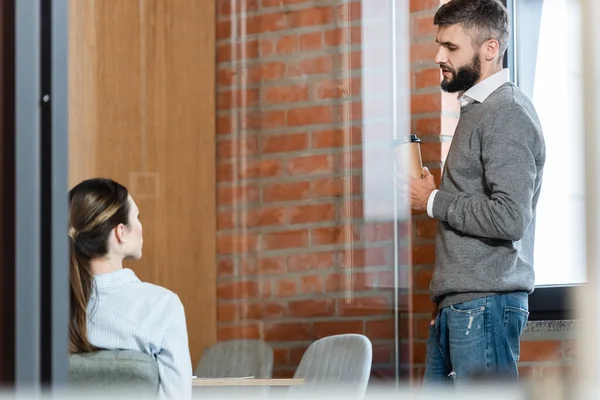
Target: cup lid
{"points": [[405, 139]]}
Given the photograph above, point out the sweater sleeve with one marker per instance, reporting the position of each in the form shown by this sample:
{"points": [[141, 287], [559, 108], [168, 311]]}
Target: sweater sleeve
{"points": [[508, 152]]}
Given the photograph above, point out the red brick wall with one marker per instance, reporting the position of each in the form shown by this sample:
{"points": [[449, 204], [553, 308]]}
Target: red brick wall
{"points": [[297, 259]]}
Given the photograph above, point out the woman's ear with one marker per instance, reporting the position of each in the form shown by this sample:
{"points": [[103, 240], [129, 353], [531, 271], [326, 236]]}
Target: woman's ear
{"points": [[120, 233]]}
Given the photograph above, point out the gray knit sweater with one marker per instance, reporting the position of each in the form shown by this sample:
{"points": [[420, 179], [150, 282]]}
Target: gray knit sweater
{"points": [[487, 199]]}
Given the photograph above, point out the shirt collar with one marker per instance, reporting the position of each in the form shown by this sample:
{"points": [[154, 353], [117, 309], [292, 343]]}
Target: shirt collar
{"points": [[120, 277], [483, 89]]}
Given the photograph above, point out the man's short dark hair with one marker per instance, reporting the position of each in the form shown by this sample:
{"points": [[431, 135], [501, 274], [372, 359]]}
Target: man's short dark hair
{"points": [[485, 19]]}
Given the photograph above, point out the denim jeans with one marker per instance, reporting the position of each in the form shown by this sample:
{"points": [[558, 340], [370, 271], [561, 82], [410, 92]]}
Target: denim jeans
{"points": [[476, 339]]}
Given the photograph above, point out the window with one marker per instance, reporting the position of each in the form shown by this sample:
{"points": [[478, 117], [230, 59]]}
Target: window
{"points": [[545, 59]]}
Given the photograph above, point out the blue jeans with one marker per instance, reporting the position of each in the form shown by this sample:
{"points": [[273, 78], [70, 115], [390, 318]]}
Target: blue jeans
{"points": [[476, 339]]}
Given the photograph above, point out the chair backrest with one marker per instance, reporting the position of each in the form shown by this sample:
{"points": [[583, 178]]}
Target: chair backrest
{"points": [[341, 361], [236, 358], [114, 370]]}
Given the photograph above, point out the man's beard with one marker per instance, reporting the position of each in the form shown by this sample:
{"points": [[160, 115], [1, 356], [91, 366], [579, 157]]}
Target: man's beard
{"points": [[464, 79]]}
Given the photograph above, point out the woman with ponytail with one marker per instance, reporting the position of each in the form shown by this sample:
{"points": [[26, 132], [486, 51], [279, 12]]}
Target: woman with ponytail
{"points": [[110, 307]]}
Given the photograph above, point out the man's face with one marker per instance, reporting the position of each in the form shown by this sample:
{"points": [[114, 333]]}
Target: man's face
{"points": [[459, 62]]}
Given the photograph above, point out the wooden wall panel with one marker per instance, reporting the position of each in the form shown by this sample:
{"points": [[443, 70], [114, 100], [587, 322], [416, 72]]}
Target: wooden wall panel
{"points": [[142, 112]]}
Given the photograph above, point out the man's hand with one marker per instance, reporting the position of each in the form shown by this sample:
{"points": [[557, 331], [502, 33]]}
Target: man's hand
{"points": [[434, 313], [420, 189]]}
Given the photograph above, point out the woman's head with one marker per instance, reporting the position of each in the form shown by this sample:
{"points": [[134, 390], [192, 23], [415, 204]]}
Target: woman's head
{"points": [[103, 225]]}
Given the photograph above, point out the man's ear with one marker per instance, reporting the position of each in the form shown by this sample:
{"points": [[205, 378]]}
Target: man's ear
{"points": [[491, 49]]}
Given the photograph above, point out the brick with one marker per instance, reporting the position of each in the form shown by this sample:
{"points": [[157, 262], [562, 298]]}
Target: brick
{"points": [[337, 138], [225, 220], [224, 172], [236, 243], [226, 77], [225, 267], [431, 151], [425, 103], [333, 327], [266, 216], [379, 231], [243, 331], [272, 22], [312, 308], [224, 30], [423, 277], [318, 164], [540, 350], [263, 120], [286, 94], [421, 5], [422, 328], [231, 99], [423, 51], [225, 124], [227, 195], [226, 312], [284, 143], [382, 354], [284, 373], [333, 187], [272, 265], [284, 239], [310, 17], [237, 148], [311, 284], [380, 329], [310, 41], [286, 288], [364, 306], [426, 228], [259, 169], [333, 235], [310, 116], [237, 290], [422, 303], [263, 310], [306, 262], [427, 78], [424, 254], [227, 52], [372, 256], [311, 213], [272, 71], [224, 7], [286, 45], [423, 26], [319, 65], [287, 332], [335, 283], [419, 353], [362, 281], [343, 36], [428, 126], [351, 11], [353, 209], [296, 354], [281, 356], [286, 191], [281, 3]]}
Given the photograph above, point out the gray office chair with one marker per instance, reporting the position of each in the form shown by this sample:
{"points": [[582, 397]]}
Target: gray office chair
{"points": [[337, 362], [236, 358], [114, 370]]}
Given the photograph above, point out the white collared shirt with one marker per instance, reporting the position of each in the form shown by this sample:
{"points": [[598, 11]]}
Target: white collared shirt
{"points": [[125, 313], [479, 93]]}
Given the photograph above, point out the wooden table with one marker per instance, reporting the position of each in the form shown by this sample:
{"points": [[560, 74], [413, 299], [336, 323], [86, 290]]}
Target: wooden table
{"points": [[246, 382]]}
